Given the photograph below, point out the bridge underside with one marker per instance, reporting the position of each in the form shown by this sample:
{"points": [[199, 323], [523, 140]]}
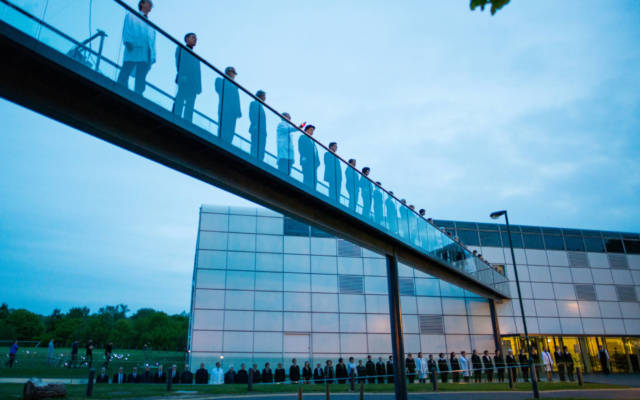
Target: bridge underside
{"points": [[46, 81]]}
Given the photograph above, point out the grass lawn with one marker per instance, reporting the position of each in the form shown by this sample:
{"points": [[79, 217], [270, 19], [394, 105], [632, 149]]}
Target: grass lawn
{"points": [[14, 391], [33, 362]]}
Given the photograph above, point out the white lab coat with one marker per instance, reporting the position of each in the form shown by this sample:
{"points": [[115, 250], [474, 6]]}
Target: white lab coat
{"points": [[217, 376], [421, 365], [285, 143], [547, 361], [142, 39], [464, 365]]}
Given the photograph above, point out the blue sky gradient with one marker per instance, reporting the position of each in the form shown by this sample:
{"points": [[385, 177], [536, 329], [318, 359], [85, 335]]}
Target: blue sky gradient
{"points": [[536, 110]]}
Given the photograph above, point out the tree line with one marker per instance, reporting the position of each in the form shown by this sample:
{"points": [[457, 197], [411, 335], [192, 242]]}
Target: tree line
{"points": [[146, 327]]}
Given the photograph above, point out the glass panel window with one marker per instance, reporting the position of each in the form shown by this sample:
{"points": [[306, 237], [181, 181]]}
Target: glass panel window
{"points": [[553, 242], [533, 241], [427, 287], [269, 243], [268, 262], [295, 228], [214, 222], [375, 285], [315, 232], [490, 239], [324, 283], [613, 245], [242, 223], [449, 290], [594, 244], [242, 242], [210, 279], [516, 238], [323, 265], [270, 225], [296, 263], [470, 238], [266, 301], [466, 225], [574, 243], [632, 246], [240, 260], [240, 280], [488, 227], [268, 281], [297, 282]]}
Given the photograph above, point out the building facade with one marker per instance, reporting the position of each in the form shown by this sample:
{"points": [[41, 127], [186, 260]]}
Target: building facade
{"points": [[269, 288]]}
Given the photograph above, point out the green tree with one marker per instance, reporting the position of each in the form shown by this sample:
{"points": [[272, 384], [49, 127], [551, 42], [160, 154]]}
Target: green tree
{"points": [[496, 5], [27, 325]]}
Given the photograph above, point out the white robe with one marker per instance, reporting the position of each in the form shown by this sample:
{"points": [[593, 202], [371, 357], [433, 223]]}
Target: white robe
{"points": [[142, 38], [464, 365], [217, 376], [421, 366], [547, 361]]}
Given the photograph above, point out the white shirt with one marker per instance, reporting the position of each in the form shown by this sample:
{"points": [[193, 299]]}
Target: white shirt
{"points": [[547, 361], [421, 364], [217, 376], [142, 39], [352, 367], [464, 365], [285, 143]]}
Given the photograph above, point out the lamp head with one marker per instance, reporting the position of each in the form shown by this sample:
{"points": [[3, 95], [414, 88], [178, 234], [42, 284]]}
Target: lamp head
{"points": [[497, 214]]}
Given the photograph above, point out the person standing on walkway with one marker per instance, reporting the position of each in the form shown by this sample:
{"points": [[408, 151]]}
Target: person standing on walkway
{"points": [[329, 373], [341, 371], [512, 364], [410, 363], [524, 365], [228, 105], [51, 353], [258, 126], [380, 370], [371, 369], [280, 374], [267, 374], [498, 360], [557, 354], [285, 144], [432, 367], [477, 366], [547, 360], [217, 374], [390, 370], [309, 159], [421, 365], [139, 40], [352, 370], [188, 78], [392, 213], [318, 374], [568, 360], [307, 373], [378, 213], [333, 172], [186, 377], [351, 177], [443, 367], [465, 366], [488, 366], [455, 367], [603, 356], [294, 371], [366, 188]]}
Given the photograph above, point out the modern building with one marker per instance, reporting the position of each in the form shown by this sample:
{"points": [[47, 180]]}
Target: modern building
{"points": [[269, 288]]}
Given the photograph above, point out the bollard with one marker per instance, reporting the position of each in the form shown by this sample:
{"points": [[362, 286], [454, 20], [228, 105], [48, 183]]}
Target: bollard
{"points": [[579, 373], [362, 390], [326, 390], [434, 381], [250, 381], [299, 391], [92, 374], [169, 382]]}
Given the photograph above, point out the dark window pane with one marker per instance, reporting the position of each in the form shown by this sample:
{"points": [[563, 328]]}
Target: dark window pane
{"points": [[516, 238], [466, 225], [320, 233], [490, 239], [553, 242], [470, 238], [630, 236], [295, 228], [533, 241], [614, 245], [613, 235], [553, 231], [488, 227], [530, 229], [575, 232], [594, 244], [591, 233], [574, 243], [632, 246]]}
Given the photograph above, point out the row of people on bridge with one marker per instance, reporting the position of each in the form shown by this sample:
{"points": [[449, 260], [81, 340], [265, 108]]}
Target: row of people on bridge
{"points": [[139, 55]]}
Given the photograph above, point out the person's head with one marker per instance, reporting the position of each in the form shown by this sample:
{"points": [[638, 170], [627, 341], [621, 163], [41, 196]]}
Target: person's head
{"points": [[102, 370], [453, 354], [318, 365], [412, 207], [498, 352], [463, 353], [286, 116], [350, 359], [218, 364], [391, 193], [174, 367], [403, 201], [146, 367], [309, 129], [378, 183], [261, 94], [430, 356], [329, 362], [534, 350], [369, 357], [190, 39], [242, 366], [359, 362], [159, 368], [333, 146], [279, 365], [430, 220], [266, 365], [231, 368], [120, 370], [145, 6], [340, 360], [410, 355], [230, 72], [390, 358], [380, 359], [422, 212], [201, 365], [441, 355], [352, 162], [599, 347], [486, 352], [521, 351], [255, 366], [564, 348], [419, 354], [293, 361], [306, 363], [366, 171], [475, 352], [135, 370], [509, 351]]}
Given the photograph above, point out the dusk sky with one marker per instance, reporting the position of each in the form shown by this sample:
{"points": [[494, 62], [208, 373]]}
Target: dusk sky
{"points": [[535, 110]]}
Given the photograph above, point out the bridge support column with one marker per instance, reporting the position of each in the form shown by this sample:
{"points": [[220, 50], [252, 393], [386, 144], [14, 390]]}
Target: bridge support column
{"points": [[397, 342]]}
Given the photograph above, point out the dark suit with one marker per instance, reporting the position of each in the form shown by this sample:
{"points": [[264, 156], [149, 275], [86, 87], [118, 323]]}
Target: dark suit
{"points": [[134, 379], [228, 109], [366, 188], [242, 376], [333, 175], [329, 375], [122, 378], [186, 377], [189, 83], [341, 373], [309, 160], [455, 368], [230, 377], [294, 373], [267, 375], [174, 378], [371, 371], [318, 375], [159, 377], [560, 363], [499, 361], [147, 377], [477, 367], [202, 376], [257, 129], [568, 360], [380, 371], [488, 366], [411, 367], [353, 187], [102, 378], [279, 375], [390, 371], [444, 369]]}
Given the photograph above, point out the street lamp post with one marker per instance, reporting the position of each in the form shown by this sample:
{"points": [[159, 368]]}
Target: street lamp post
{"points": [[534, 383]]}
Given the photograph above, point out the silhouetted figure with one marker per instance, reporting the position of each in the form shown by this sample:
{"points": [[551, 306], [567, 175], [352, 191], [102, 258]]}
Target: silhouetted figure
{"points": [[187, 376], [410, 363], [390, 370], [307, 372], [603, 356], [392, 213], [103, 377], [242, 376], [285, 144], [498, 360], [380, 370], [280, 374], [329, 373], [309, 159], [189, 79], [228, 105], [134, 376], [230, 376], [258, 126], [378, 213], [353, 187], [318, 374], [455, 367], [366, 189], [371, 370], [202, 375], [341, 371], [488, 365], [267, 374], [139, 40], [294, 372], [332, 171]]}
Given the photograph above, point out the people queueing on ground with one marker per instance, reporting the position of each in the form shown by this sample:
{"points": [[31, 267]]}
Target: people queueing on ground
{"points": [[217, 374], [454, 362], [443, 368], [568, 362], [390, 370], [120, 377], [498, 361], [486, 361], [230, 376], [524, 366], [202, 375], [380, 370], [535, 359], [421, 367], [329, 372], [410, 364], [318, 374], [294, 371], [548, 363], [477, 366], [341, 371], [242, 376], [159, 376]]}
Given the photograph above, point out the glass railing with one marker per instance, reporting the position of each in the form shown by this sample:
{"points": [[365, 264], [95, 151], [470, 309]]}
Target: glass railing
{"points": [[109, 39]]}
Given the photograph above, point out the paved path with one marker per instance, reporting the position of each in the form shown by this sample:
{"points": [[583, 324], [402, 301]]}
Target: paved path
{"points": [[617, 379], [614, 394]]}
